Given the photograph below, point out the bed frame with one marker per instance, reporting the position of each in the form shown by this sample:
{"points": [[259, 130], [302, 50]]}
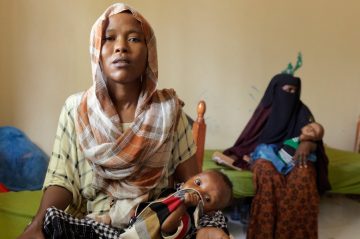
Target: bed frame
{"points": [[199, 133], [357, 137]]}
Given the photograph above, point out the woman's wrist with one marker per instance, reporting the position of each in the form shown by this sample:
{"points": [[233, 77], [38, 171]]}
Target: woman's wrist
{"points": [[35, 223]]}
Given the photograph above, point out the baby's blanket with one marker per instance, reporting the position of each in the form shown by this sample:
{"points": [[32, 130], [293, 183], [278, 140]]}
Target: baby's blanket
{"points": [[146, 224], [148, 221]]}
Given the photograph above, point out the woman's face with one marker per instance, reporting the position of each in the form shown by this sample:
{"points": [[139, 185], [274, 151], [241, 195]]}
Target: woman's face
{"points": [[124, 51], [289, 89]]}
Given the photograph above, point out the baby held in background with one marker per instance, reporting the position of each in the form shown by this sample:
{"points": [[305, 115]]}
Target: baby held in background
{"points": [[286, 158]]}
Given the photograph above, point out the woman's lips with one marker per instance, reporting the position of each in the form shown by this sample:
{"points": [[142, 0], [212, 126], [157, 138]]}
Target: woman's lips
{"points": [[121, 62]]}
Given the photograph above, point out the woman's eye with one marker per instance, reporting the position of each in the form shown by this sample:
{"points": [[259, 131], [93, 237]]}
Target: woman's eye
{"points": [[109, 38], [197, 182], [134, 39]]}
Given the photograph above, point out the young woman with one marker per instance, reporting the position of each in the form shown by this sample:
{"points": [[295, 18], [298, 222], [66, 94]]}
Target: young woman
{"points": [[121, 141]]}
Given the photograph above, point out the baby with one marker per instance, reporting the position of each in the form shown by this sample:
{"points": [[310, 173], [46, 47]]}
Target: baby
{"points": [[178, 214], [211, 188], [283, 160]]}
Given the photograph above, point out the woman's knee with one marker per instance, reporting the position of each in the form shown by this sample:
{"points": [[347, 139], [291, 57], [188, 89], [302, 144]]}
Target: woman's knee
{"points": [[305, 172], [264, 173], [263, 165]]}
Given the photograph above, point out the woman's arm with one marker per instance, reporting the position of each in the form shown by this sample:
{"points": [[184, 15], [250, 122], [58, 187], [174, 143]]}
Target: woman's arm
{"points": [[307, 144], [56, 196], [186, 170], [184, 160]]}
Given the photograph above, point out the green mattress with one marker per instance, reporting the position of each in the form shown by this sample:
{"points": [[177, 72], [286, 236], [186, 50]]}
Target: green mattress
{"points": [[344, 176], [344, 171], [16, 211], [242, 180], [17, 208]]}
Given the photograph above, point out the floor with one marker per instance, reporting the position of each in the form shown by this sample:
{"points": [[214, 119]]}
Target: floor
{"points": [[339, 219]]}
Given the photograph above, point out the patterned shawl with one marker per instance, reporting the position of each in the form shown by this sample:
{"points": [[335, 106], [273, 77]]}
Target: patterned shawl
{"points": [[126, 165], [150, 217]]}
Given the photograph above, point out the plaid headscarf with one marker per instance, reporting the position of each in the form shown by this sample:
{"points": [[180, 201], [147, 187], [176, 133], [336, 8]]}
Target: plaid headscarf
{"points": [[127, 165]]}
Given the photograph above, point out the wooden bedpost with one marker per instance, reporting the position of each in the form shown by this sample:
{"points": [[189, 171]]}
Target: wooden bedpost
{"points": [[199, 132], [357, 137]]}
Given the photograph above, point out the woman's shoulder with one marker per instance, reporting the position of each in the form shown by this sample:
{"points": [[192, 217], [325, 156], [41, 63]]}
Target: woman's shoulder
{"points": [[70, 106], [73, 101]]}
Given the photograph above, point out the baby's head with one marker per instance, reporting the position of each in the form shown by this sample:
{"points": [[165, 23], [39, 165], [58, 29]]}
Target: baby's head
{"points": [[215, 189], [312, 131]]}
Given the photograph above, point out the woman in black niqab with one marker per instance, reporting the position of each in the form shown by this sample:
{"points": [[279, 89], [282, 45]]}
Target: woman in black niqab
{"points": [[279, 116]]}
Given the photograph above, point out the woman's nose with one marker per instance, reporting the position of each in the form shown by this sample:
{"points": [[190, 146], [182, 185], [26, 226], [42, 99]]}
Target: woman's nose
{"points": [[121, 45]]}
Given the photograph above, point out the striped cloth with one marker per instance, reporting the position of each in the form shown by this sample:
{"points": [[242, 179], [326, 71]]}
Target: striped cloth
{"points": [[127, 164], [146, 224], [58, 224]]}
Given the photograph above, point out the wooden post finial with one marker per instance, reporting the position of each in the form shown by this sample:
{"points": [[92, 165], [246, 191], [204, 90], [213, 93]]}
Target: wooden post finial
{"points": [[201, 109], [357, 137], [199, 133]]}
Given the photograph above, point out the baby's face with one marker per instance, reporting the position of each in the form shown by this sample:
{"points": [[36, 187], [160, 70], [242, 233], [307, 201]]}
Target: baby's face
{"points": [[211, 187], [312, 131]]}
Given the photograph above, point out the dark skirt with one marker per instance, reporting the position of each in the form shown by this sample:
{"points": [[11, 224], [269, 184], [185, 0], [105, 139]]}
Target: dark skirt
{"points": [[284, 207]]}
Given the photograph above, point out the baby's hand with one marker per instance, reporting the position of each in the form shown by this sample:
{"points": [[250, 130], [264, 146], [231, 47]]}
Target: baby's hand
{"points": [[191, 199], [247, 158]]}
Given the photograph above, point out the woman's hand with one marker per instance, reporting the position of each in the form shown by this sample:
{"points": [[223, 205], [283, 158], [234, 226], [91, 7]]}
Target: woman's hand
{"points": [[56, 196], [186, 170], [302, 153], [33, 231], [211, 233]]}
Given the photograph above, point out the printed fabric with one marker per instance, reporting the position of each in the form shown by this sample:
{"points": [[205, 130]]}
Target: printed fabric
{"points": [[147, 223], [284, 206]]}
